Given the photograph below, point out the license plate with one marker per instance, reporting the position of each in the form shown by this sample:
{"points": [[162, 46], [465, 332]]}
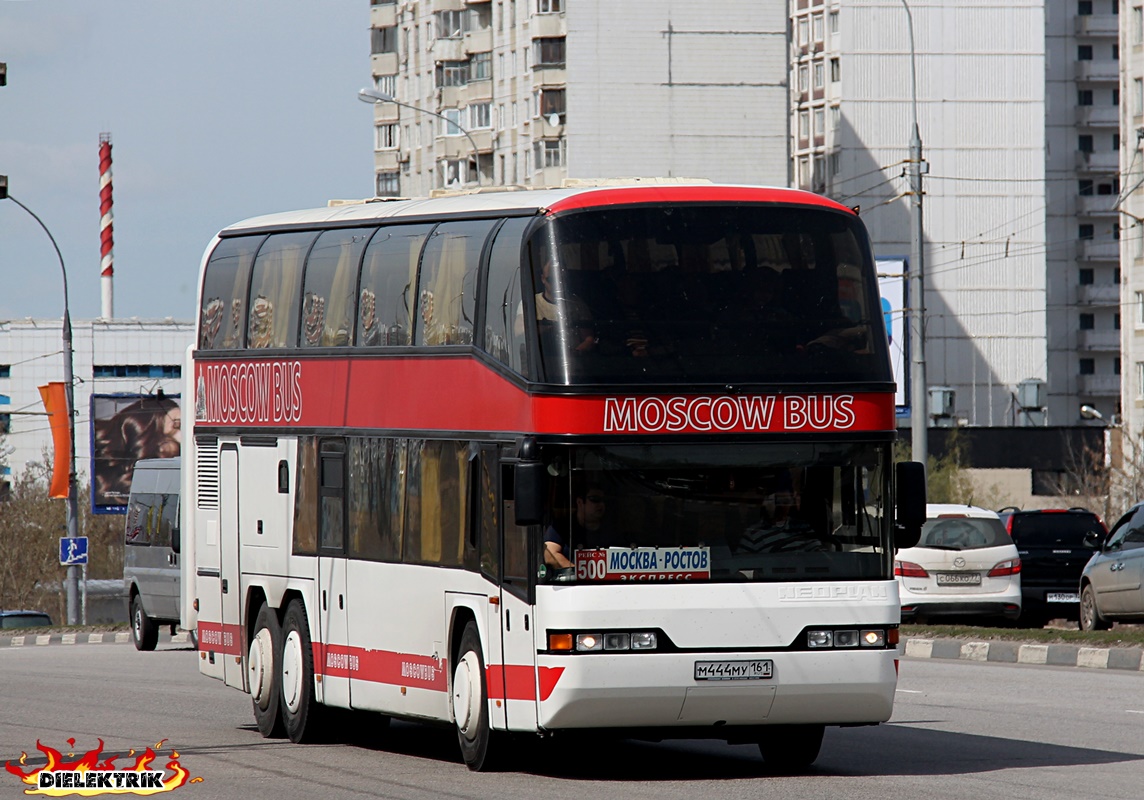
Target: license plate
{"points": [[959, 579], [1061, 597], [757, 669]]}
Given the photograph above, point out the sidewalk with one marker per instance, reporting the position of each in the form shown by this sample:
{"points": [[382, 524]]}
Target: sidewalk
{"points": [[1055, 655], [117, 637]]}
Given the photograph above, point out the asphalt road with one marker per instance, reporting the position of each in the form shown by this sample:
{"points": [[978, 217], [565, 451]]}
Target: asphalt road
{"points": [[960, 730]]}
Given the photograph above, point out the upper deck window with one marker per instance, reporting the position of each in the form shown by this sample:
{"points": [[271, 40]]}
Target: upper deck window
{"points": [[223, 311], [388, 274], [330, 287], [706, 294], [272, 319], [447, 287]]}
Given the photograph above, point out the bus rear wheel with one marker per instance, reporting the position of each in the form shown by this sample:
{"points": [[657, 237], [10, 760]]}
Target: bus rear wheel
{"points": [[479, 745], [791, 748], [301, 713], [144, 631], [263, 674]]}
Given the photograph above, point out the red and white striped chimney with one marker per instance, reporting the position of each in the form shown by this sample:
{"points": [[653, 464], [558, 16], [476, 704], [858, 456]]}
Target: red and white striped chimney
{"points": [[106, 229]]}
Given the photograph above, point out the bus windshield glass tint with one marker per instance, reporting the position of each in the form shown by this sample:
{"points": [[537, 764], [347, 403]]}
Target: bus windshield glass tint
{"points": [[699, 293], [763, 512]]}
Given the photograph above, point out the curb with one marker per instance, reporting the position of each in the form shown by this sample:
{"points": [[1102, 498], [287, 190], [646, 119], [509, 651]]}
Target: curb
{"points": [[1055, 655], [117, 637]]}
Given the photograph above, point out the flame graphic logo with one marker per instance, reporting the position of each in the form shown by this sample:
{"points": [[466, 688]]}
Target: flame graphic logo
{"points": [[89, 776]]}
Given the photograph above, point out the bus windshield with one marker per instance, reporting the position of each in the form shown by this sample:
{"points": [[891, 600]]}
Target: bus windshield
{"points": [[763, 512], [701, 293]]}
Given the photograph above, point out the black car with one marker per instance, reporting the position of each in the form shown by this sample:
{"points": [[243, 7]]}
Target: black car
{"points": [[1054, 544], [15, 620]]}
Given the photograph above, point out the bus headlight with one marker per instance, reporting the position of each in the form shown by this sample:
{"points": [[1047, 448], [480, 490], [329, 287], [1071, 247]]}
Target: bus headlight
{"points": [[589, 641], [847, 638], [873, 638], [617, 641], [818, 639], [644, 640]]}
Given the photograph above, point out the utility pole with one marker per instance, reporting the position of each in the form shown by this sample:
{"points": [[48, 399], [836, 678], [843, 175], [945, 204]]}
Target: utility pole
{"points": [[919, 401]]}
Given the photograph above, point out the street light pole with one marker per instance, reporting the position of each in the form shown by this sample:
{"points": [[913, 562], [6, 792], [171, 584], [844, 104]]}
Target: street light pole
{"points": [[374, 96], [919, 413], [72, 583]]}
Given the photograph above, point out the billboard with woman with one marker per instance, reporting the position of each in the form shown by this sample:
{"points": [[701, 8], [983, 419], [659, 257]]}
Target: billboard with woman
{"points": [[124, 429]]}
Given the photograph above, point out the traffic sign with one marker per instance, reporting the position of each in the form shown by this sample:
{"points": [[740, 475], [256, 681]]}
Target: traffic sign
{"points": [[73, 551]]}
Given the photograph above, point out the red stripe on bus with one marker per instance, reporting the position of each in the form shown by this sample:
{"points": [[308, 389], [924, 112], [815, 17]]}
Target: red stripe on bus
{"points": [[520, 681], [459, 394], [629, 195], [217, 637], [380, 666]]}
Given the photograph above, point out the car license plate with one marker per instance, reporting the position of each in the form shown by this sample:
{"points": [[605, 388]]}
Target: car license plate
{"points": [[1061, 597], [959, 579], [757, 669]]}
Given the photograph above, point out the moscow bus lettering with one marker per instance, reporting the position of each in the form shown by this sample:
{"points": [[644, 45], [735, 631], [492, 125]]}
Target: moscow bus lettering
{"points": [[547, 461]]}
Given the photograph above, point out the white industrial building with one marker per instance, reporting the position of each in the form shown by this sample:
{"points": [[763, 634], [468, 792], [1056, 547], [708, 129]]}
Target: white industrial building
{"points": [[110, 356]]}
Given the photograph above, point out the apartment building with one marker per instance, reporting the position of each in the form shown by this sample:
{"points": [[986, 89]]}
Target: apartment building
{"points": [[530, 92], [1131, 212], [1017, 106]]}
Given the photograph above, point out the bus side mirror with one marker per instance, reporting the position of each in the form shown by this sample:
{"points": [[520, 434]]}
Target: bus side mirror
{"points": [[910, 502], [528, 492], [176, 540]]}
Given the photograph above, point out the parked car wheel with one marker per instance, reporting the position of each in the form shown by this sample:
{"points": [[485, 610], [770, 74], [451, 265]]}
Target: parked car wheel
{"points": [[1090, 618], [144, 631]]}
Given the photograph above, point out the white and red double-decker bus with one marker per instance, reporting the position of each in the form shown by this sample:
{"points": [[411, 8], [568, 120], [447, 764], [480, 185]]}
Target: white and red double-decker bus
{"points": [[543, 461]]}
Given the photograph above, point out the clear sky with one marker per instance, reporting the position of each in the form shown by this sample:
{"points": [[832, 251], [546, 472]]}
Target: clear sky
{"points": [[218, 110]]}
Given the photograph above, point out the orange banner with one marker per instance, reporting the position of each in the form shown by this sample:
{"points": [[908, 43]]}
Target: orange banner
{"points": [[56, 403]]}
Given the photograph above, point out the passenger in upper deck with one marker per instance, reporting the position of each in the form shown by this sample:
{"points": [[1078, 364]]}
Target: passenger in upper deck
{"points": [[555, 307], [585, 527]]}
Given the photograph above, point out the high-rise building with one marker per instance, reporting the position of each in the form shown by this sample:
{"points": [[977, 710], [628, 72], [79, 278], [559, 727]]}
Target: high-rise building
{"points": [[1017, 107], [530, 92], [1131, 210]]}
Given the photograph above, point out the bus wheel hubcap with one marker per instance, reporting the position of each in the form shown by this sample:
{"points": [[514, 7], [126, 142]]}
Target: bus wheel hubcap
{"points": [[261, 666], [292, 671], [466, 694]]}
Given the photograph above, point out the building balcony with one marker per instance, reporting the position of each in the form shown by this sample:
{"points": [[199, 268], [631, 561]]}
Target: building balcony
{"points": [[1098, 116], [451, 97], [459, 146], [383, 64], [1099, 385], [548, 76], [386, 160], [1099, 341], [1096, 205], [1098, 25], [448, 5], [383, 16], [1103, 71], [479, 92], [478, 41], [1100, 250], [545, 130], [386, 113], [545, 26], [1106, 161], [1098, 294], [448, 50]]}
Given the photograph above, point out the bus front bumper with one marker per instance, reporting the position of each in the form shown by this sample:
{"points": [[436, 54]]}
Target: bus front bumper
{"points": [[648, 690]]}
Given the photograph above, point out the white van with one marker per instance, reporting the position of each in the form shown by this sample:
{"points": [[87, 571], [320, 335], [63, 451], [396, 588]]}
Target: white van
{"points": [[151, 549]]}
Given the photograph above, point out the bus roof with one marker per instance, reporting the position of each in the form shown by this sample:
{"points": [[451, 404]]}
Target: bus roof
{"points": [[536, 201]]}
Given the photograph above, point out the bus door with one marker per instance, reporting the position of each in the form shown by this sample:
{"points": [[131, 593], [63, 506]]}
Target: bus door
{"points": [[331, 659], [232, 643], [517, 629]]}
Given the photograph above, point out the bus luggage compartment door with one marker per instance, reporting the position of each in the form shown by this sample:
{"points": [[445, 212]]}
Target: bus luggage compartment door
{"points": [[229, 583]]}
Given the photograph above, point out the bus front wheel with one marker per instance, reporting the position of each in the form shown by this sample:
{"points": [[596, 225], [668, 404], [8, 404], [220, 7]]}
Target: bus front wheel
{"points": [[263, 674], [471, 703], [300, 711], [791, 748]]}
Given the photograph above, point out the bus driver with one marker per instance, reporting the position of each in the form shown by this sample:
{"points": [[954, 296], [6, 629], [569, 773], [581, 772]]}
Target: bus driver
{"points": [[585, 528]]}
